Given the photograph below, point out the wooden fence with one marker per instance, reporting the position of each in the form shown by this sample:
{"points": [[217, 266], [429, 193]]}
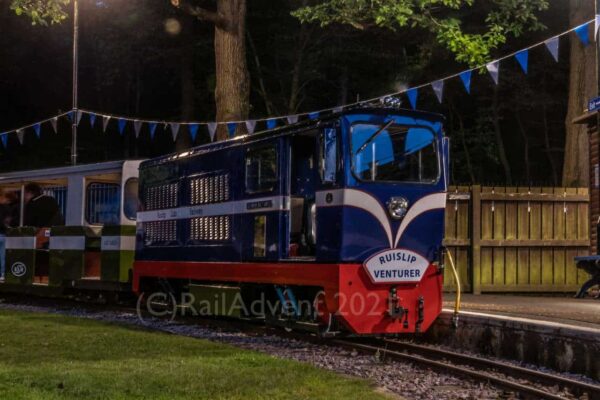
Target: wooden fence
{"points": [[517, 239]]}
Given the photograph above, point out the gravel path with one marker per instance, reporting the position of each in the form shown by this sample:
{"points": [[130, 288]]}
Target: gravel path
{"points": [[399, 379]]}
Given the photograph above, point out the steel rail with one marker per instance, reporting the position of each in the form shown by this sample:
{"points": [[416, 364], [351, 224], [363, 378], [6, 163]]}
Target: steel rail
{"points": [[515, 371], [453, 369]]}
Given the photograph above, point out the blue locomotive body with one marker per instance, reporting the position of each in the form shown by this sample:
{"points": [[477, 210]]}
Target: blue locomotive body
{"points": [[294, 163]]}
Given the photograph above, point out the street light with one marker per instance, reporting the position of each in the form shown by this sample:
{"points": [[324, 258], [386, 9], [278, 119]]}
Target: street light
{"points": [[75, 82]]}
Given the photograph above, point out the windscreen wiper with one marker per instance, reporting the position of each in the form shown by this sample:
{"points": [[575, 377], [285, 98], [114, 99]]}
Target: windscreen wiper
{"points": [[373, 136]]}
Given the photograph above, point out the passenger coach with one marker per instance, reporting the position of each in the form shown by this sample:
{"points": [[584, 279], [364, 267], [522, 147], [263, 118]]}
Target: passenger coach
{"points": [[94, 250], [344, 213]]}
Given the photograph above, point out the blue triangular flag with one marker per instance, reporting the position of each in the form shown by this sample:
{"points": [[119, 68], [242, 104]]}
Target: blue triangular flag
{"points": [[231, 127], [438, 89], [552, 46], [193, 128], [583, 33], [37, 128], [152, 126], [4, 138], [70, 116], [494, 70], [122, 124], [313, 115], [466, 80], [92, 119], [413, 96], [271, 123], [523, 59]]}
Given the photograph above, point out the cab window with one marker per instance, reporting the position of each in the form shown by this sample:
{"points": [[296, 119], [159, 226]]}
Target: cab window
{"points": [[102, 204], [261, 169], [394, 153]]}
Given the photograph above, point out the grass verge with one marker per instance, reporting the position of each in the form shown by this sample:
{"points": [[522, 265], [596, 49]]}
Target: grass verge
{"points": [[46, 356]]}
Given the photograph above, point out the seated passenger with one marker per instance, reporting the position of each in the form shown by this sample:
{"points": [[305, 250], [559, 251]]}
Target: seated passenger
{"points": [[41, 211]]}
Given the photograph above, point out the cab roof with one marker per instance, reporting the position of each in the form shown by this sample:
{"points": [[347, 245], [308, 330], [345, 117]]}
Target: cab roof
{"points": [[289, 130]]}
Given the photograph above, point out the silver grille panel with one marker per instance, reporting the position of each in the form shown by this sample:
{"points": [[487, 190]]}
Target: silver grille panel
{"points": [[210, 189], [210, 228], [163, 196], [160, 232]]}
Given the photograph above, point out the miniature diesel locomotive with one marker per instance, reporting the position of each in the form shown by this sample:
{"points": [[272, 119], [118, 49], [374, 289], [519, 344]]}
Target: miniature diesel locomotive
{"points": [[344, 214]]}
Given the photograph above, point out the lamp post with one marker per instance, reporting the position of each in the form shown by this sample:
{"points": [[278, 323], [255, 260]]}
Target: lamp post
{"points": [[75, 82]]}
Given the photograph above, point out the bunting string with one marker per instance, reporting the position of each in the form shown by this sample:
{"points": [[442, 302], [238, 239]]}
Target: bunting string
{"points": [[582, 32]]}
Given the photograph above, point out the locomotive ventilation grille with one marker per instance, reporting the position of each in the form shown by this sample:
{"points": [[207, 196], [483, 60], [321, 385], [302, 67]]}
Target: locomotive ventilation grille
{"points": [[160, 232], [211, 189], [161, 197], [210, 228]]}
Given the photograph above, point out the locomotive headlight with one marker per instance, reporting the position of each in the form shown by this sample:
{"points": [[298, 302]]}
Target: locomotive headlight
{"points": [[397, 207]]}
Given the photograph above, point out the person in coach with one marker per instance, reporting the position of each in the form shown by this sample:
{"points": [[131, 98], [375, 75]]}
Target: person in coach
{"points": [[41, 211]]}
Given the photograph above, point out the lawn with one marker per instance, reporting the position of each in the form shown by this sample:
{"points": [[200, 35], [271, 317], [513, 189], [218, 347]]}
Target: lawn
{"points": [[45, 356]]}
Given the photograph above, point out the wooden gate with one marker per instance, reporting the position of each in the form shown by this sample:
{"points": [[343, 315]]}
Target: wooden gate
{"points": [[517, 239]]}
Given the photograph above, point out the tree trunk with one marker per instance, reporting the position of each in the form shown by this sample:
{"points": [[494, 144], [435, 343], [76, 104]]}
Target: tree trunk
{"points": [[463, 139], [523, 131], [582, 87], [499, 139], [232, 91], [188, 89], [547, 147]]}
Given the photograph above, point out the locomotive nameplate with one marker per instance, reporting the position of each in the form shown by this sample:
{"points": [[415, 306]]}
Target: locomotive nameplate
{"points": [[396, 266]]}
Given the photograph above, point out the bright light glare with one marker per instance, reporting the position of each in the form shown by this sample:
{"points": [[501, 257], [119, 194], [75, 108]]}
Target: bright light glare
{"points": [[172, 26]]}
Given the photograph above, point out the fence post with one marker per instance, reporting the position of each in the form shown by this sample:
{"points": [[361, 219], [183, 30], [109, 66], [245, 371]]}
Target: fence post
{"points": [[476, 238]]}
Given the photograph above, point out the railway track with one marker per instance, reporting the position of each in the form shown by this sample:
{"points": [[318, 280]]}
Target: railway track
{"points": [[503, 375]]}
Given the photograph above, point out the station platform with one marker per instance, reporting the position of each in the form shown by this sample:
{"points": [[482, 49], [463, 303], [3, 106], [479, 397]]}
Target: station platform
{"points": [[557, 332], [558, 309]]}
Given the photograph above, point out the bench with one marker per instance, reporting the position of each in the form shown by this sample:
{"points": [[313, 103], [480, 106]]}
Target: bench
{"points": [[591, 265]]}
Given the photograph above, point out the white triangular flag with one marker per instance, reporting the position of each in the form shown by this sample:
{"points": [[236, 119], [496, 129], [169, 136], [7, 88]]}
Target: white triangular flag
{"points": [[438, 89], [338, 109], [597, 27], [494, 70], [105, 120], [292, 119], [54, 123], [79, 115], [212, 129], [552, 46], [250, 126], [20, 135], [137, 126], [174, 130]]}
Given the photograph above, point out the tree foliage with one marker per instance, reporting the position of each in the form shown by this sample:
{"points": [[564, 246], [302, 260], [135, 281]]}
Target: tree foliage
{"points": [[41, 12], [442, 18]]}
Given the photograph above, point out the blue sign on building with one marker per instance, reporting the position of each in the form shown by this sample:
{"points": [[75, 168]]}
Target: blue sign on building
{"points": [[594, 104]]}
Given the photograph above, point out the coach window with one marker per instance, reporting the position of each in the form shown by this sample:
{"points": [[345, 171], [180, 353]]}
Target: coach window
{"points": [[261, 169], [131, 200], [102, 204]]}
